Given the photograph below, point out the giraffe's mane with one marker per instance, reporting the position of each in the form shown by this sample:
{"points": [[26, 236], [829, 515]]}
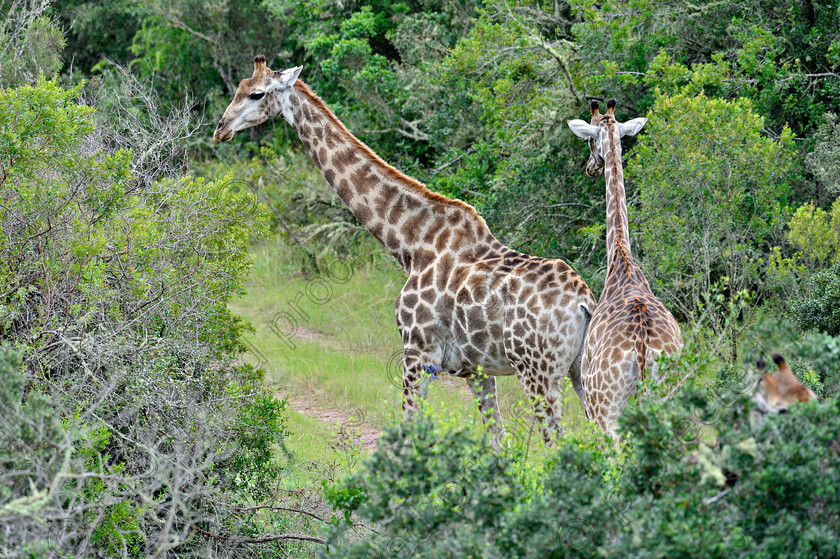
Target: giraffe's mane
{"points": [[412, 184], [623, 251]]}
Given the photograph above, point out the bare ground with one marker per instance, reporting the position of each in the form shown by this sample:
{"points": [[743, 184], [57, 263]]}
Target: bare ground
{"points": [[350, 424]]}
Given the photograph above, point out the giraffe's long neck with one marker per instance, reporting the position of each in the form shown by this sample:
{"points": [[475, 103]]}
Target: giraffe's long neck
{"points": [[618, 234], [412, 222]]}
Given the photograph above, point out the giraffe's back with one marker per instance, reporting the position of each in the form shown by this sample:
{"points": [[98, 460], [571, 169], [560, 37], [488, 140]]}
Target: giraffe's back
{"points": [[630, 329]]}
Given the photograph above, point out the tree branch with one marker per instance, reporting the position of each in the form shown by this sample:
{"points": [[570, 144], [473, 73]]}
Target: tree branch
{"points": [[263, 539], [217, 63]]}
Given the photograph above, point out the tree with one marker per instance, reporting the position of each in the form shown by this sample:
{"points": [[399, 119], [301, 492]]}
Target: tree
{"points": [[710, 189], [129, 426]]}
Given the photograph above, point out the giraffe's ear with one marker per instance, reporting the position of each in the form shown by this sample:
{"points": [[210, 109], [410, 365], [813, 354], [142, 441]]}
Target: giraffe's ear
{"points": [[583, 129], [631, 127], [287, 78]]}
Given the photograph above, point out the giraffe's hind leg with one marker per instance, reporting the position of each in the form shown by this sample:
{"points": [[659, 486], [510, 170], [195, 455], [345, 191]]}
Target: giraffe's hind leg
{"points": [[483, 388], [543, 389]]}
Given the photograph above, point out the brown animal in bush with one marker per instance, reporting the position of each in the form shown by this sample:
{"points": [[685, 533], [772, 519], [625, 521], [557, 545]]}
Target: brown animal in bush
{"points": [[776, 392]]}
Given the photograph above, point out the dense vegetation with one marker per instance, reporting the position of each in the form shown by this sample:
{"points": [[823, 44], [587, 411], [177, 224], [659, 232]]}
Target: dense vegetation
{"points": [[131, 425]]}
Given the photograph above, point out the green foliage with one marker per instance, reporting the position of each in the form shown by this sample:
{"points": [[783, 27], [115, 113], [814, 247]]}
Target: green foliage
{"points": [[824, 161], [821, 364], [115, 292], [30, 43], [202, 49], [778, 61], [260, 426], [820, 311], [711, 189], [420, 483], [816, 234], [699, 477], [91, 40]]}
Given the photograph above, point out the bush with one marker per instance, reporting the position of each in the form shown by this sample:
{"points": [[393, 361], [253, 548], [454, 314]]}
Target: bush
{"points": [[816, 234], [699, 477], [710, 186], [821, 311], [128, 424]]}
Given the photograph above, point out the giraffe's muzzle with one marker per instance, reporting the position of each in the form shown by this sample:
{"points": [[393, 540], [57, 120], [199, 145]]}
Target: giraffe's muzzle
{"points": [[220, 134]]}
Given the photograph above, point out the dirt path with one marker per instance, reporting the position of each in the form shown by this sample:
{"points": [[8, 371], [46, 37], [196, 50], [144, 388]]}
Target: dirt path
{"points": [[351, 425]]}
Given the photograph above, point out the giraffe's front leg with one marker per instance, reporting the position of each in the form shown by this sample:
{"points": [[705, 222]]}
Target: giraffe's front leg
{"points": [[415, 383], [483, 388]]}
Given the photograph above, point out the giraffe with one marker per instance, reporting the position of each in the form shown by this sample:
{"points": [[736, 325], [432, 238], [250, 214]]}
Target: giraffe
{"points": [[469, 302], [630, 328], [774, 393]]}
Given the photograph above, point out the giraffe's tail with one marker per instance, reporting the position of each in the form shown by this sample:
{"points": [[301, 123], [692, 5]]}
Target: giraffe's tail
{"points": [[641, 354]]}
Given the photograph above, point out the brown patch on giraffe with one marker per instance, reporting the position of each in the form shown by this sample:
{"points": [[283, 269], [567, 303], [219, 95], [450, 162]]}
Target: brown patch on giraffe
{"points": [[381, 205], [445, 265], [395, 214], [410, 300], [392, 242], [412, 228], [430, 234], [343, 159], [343, 190], [423, 314], [423, 258], [428, 295], [475, 315], [363, 179], [331, 137], [363, 214], [463, 296]]}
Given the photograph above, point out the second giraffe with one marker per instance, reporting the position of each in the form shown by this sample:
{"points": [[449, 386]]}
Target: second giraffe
{"points": [[630, 328]]}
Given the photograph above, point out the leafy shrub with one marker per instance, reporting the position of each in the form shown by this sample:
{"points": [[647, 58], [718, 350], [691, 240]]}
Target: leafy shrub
{"points": [[821, 311], [824, 161], [821, 356], [128, 425], [700, 477], [816, 234]]}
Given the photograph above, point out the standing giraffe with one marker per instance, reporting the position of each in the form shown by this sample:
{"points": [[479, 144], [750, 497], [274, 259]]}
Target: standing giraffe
{"points": [[469, 301], [630, 328]]}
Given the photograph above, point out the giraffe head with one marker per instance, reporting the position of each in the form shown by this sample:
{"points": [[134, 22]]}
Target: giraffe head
{"points": [[258, 98], [603, 134], [776, 392]]}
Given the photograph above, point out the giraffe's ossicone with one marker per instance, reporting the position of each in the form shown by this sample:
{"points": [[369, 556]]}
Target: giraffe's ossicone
{"points": [[469, 302], [630, 328]]}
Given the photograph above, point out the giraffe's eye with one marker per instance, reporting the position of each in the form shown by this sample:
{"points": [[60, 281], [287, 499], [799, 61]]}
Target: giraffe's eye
{"points": [[257, 95]]}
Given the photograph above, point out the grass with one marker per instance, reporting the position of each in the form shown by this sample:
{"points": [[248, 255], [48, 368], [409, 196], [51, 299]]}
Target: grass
{"points": [[333, 339]]}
